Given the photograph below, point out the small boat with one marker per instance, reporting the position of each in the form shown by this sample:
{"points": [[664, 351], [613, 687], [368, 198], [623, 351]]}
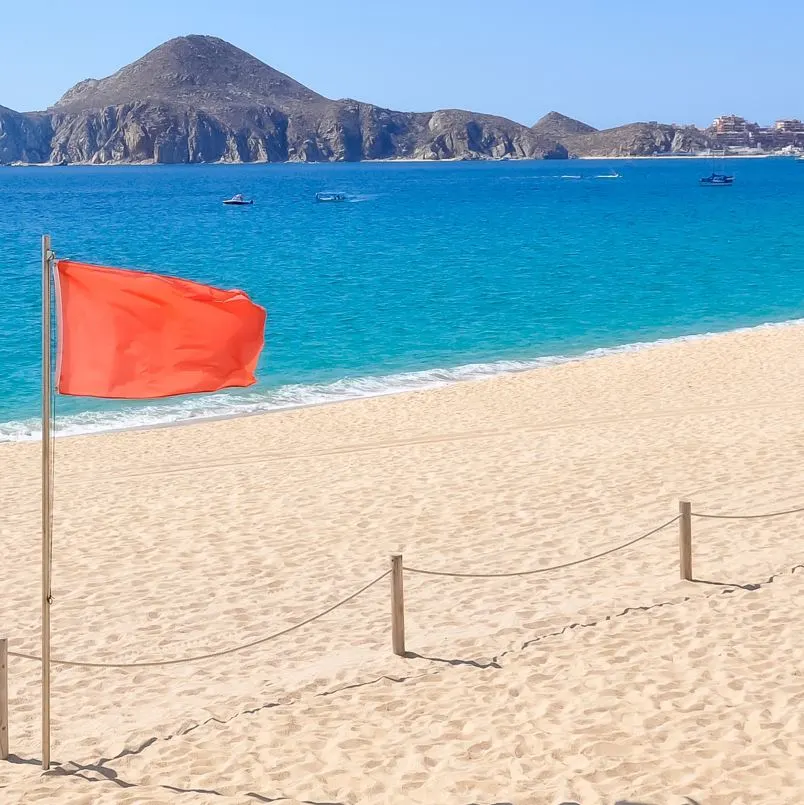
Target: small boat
{"points": [[238, 201], [717, 180], [330, 197], [612, 175]]}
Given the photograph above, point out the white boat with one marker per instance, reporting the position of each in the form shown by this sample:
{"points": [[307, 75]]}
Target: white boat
{"points": [[612, 175], [238, 201], [330, 196]]}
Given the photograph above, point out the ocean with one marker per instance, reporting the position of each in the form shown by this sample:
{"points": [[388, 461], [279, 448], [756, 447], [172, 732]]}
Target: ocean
{"points": [[428, 274]]}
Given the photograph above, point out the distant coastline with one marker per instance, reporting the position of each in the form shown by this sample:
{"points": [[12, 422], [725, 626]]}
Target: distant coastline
{"points": [[665, 157], [178, 104], [390, 160]]}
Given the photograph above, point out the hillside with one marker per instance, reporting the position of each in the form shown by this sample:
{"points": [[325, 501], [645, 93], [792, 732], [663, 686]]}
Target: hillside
{"points": [[200, 99], [24, 137], [554, 124], [191, 72], [637, 139]]}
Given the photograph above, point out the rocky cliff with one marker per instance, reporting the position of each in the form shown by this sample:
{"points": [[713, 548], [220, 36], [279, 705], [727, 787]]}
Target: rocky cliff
{"points": [[200, 99], [637, 139], [24, 138], [632, 140]]}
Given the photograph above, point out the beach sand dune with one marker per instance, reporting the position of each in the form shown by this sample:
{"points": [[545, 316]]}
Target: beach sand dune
{"points": [[181, 541]]}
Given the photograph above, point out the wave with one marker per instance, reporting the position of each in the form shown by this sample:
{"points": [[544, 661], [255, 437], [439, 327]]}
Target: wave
{"points": [[222, 406], [358, 198]]}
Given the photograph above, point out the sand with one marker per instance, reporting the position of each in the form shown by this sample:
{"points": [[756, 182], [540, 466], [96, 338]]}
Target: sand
{"points": [[610, 680]]}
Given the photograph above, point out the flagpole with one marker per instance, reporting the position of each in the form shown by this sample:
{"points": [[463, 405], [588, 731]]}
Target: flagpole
{"points": [[47, 535]]}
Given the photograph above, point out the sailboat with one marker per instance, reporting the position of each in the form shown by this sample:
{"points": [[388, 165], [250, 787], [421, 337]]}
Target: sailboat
{"points": [[717, 179]]}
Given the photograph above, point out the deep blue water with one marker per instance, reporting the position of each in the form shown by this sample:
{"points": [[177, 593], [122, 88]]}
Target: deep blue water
{"points": [[429, 267]]}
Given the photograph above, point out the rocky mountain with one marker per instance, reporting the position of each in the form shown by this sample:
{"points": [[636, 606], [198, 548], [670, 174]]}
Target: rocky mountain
{"points": [[24, 138], [556, 125], [192, 72], [200, 99], [637, 139], [634, 139]]}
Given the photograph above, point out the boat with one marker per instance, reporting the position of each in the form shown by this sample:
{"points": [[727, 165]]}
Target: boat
{"points": [[238, 201], [717, 179], [612, 175], [330, 197]]}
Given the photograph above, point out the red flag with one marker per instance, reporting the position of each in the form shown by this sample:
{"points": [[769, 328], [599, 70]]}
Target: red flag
{"points": [[135, 335]]}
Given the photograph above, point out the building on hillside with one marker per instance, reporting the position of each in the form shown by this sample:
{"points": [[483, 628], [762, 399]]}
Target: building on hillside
{"points": [[729, 124], [785, 133], [733, 124], [789, 126], [733, 131]]}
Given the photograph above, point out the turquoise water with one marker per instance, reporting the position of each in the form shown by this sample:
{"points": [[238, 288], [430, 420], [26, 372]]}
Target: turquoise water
{"points": [[430, 273]]}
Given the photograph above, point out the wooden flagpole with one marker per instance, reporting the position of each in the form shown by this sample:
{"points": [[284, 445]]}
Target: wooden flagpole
{"points": [[47, 535]]}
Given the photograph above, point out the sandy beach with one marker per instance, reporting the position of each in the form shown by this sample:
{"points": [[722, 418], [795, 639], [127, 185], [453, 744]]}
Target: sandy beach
{"points": [[606, 681]]}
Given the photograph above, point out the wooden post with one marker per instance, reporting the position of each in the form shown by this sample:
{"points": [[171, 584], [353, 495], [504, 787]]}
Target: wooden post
{"points": [[685, 539], [3, 698], [397, 606]]}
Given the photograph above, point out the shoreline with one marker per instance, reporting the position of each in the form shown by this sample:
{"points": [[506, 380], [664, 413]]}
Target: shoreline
{"points": [[694, 156], [333, 393], [170, 544], [389, 161]]}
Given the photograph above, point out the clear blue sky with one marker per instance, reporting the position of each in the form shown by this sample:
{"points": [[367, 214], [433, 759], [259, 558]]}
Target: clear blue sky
{"points": [[604, 61]]}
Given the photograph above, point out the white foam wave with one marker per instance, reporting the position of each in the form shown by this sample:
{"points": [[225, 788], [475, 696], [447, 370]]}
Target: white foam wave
{"points": [[218, 406]]}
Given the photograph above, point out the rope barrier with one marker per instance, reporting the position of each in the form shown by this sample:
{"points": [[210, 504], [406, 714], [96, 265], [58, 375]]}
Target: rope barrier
{"points": [[746, 516], [543, 569], [212, 654], [420, 571]]}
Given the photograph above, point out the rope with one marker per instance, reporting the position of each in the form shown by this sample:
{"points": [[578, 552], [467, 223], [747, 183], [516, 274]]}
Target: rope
{"points": [[211, 654], [543, 569], [746, 516], [420, 571]]}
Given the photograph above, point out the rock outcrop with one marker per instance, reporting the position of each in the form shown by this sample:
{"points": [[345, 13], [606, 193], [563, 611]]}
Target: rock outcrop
{"points": [[24, 138], [559, 126], [200, 99], [637, 139], [455, 134]]}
